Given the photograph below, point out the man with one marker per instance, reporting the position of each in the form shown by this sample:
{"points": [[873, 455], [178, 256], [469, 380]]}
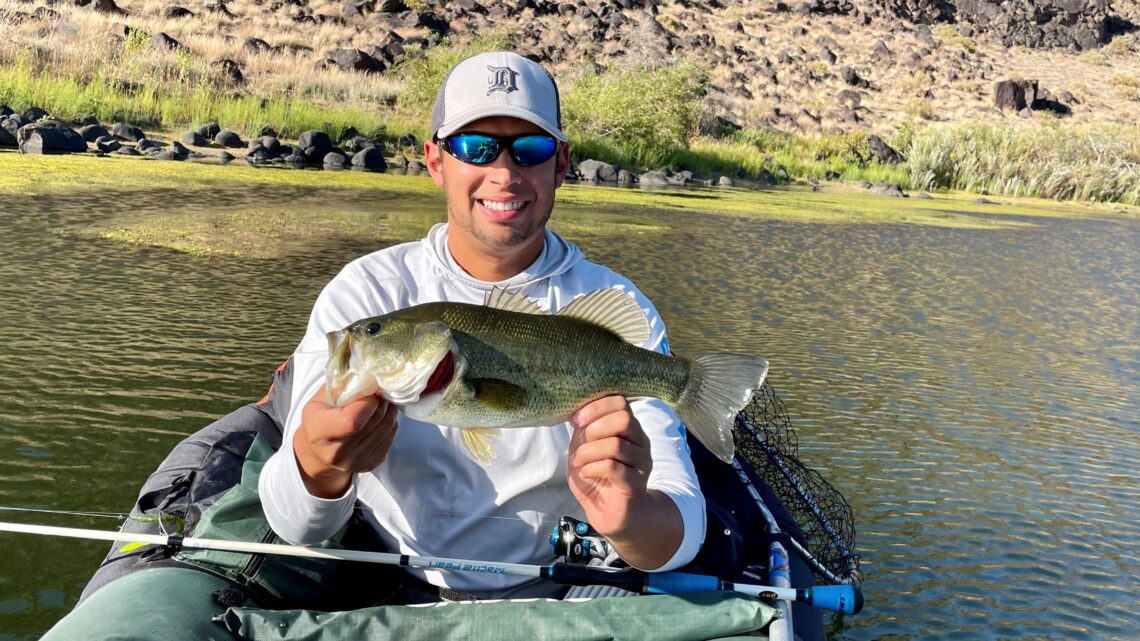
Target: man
{"points": [[498, 151]]}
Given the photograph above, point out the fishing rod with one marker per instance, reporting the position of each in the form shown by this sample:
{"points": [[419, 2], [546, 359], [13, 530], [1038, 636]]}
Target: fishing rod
{"points": [[836, 598]]}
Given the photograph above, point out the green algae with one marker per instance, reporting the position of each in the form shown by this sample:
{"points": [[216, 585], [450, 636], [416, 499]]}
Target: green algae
{"points": [[375, 208]]}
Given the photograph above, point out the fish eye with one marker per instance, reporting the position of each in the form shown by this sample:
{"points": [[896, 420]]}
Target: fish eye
{"points": [[372, 328]]}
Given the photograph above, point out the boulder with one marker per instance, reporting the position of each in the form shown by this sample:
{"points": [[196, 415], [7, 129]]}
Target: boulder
{"points": [[146, 145], [174, 11], [194, 139], [7, 138], [597, 171], [887, 189], [314, 144], [91, 133], [851, 77], [356, 60], [258, 153], [228, 70], [271, 144], [654, 179], [209, 130], [34, 114], [370, 158], [12, 123], [163, 42], [1010, 94], [255, 46], [358, 143], [334, 159], [227, 138], [108, 144], [882, 152], [107, 6], [49, 137], [123, 131]]}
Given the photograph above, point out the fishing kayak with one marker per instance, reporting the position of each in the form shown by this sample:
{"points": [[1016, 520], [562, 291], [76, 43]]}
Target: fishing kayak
{"points": [[206, 490]]}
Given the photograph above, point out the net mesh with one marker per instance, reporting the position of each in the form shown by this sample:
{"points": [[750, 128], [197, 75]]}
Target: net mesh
{"points": [[764, 438]]}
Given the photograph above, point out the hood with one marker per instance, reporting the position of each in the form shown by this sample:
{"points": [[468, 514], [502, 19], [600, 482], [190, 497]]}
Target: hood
{"points": [[558, 256]]}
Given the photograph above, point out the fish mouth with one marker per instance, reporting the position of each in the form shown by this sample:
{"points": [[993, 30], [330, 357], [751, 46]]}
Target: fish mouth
{"points": [[441, 377], [338, 368]]}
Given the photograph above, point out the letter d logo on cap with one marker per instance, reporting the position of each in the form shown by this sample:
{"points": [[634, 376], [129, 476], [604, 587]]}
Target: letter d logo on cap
{"points": [[501, 79]]}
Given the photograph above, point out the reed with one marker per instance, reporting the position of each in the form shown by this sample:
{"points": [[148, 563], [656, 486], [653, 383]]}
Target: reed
{"points": [[1098, 163]]}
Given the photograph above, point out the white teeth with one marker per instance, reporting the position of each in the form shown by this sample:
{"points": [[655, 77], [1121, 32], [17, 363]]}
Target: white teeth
{"points": [[501, 206]]}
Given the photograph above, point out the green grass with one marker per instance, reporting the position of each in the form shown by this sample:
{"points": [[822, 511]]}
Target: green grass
{"points": [[1050, 160], [169, 107]]}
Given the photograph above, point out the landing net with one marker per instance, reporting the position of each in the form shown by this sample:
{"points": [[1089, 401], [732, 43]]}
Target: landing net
{"points": [[764, 439]]}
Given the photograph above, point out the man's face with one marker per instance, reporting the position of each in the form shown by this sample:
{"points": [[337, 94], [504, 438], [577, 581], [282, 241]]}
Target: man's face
{"points": [[497, 210]]}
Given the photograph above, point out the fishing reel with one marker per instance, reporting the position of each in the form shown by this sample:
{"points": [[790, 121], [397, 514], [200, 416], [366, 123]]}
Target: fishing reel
{"points": [[578, 542]]}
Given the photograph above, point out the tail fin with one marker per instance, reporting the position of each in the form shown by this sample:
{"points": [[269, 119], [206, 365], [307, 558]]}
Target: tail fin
{"points": [[720, 385]]}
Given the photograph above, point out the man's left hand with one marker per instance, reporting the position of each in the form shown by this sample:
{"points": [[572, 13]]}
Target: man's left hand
{"points": [[608, 467]]}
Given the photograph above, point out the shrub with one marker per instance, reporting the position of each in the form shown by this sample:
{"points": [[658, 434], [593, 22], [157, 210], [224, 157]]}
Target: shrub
{"points": [[948, 34], [1119, 47], [646, 115], [1093, 58], [819, 68], [423, 74], [848, 147], [920, 108], [136, 40]]}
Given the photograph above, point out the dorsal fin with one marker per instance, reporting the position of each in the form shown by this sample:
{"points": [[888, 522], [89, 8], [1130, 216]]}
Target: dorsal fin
{"points": [[512, 302], [614, 310]]}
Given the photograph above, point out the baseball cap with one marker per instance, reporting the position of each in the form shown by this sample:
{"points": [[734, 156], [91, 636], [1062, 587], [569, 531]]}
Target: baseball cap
{"points": [[499, 83]]}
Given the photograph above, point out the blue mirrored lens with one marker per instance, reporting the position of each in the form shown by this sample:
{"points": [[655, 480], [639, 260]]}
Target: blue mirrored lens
{"points": [[533, 150], [473, 148], [481, 149]]}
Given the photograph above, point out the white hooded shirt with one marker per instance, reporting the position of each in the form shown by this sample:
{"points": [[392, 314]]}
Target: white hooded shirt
{"points": [[430, 497]]}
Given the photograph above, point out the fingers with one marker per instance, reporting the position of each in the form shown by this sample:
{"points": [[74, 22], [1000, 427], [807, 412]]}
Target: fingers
{"points": [[335, 424], [353, 438], [595, 410], [609, 438]]}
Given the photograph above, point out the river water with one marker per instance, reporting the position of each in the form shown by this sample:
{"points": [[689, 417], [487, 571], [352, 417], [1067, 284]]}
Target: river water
{"points": [[974, 393]]}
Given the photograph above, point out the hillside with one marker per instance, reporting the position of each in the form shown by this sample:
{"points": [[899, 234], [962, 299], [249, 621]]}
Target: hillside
{"points": [[807, 81], [805, 67]]}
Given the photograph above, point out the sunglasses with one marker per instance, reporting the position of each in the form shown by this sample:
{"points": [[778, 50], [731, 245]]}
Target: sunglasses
{"points": [[482, 149]]}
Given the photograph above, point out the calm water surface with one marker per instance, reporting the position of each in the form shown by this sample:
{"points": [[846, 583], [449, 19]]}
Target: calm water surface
{"points": [[975, 394]]}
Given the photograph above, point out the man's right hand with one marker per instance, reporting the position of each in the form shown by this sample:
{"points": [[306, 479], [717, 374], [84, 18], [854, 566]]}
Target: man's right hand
{"points": [[333, 443]]}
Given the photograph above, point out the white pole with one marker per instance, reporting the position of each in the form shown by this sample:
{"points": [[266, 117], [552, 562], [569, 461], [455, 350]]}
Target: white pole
{"points": [[830, 597]]}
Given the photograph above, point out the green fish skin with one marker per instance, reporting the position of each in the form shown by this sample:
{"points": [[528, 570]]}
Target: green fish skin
{"points": [[508, 363]]}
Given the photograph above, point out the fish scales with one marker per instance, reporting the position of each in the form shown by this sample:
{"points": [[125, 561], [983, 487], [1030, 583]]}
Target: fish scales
{"points": [[508, 363]]}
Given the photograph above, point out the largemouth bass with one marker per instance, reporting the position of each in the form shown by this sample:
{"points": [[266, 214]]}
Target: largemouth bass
{"points": [[508, 363]]}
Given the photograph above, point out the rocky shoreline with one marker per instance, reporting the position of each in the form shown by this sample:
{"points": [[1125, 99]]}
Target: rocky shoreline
{"points": [[34, 132]]}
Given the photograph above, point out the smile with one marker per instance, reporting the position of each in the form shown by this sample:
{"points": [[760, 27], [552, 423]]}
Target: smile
{"points": [[496, 205]]}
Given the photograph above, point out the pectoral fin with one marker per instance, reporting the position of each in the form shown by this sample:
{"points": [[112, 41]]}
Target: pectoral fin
{"points": [[480, 442], [498, 394]]}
